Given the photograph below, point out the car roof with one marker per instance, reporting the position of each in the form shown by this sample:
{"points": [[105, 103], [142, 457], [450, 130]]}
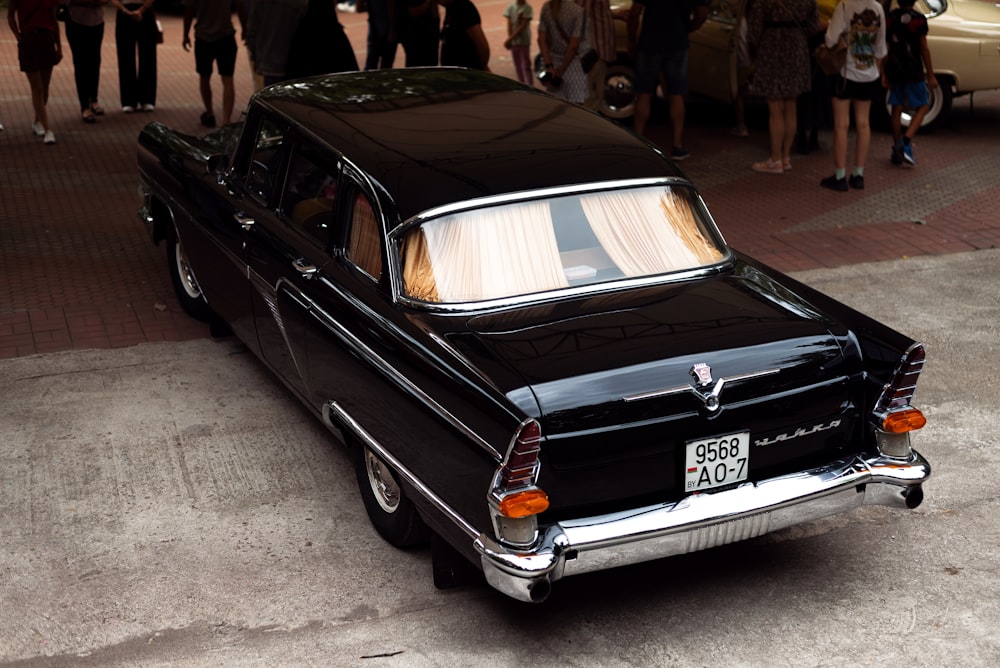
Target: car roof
{"points": [[431, 137]]}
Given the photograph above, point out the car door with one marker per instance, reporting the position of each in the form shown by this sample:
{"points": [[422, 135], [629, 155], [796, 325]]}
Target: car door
{"points": [[712, 68], [288, 251]]}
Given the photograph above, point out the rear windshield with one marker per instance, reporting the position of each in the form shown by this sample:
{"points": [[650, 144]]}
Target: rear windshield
{"points": [[547, 244]]}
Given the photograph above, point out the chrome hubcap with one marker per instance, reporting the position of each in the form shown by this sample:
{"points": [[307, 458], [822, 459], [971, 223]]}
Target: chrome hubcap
{"points": [[188, 281], [382, 483]]}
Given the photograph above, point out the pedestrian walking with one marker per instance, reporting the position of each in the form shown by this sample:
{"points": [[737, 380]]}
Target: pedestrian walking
{"points": [[85, 34], [779, 40], [382, 37], [861, 23], [214, 45], [660, 48], [39, 49], [136, 36], [908, 73]]}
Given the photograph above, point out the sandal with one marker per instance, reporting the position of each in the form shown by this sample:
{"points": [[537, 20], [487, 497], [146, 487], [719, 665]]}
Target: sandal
{"points": [[96, 109], [88, 116], [768, 167], [786, 164]]}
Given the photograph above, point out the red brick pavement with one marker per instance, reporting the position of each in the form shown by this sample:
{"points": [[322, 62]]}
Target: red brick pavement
{"points": [[78, 271]]}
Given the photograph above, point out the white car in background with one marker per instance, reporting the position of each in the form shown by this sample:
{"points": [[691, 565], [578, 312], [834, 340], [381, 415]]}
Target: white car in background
{"points": [[964, 40]]}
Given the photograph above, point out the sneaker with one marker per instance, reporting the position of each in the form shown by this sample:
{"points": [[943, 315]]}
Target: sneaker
{"points": [[146, 107], [38, 129], [1, 127], [50, 137], [897, 155], [833, 183], [856, 181], [908, 153], [208, 120], [679, 153], [127, 109]]}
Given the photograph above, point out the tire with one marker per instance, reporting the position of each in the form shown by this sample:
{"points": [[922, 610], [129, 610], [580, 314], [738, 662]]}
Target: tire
{"points": [[185, 284], [619, 91], [393, 515]]}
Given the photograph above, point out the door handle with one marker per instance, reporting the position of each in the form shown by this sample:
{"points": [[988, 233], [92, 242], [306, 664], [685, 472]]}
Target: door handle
{"points": [[245, 221], [303, 267]]}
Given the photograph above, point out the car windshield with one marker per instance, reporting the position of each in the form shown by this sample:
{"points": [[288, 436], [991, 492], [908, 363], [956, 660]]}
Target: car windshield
{"points": [[534, 246]]}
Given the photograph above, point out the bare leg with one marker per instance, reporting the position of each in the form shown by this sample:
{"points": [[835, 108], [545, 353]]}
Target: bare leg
{"points": [[677, 119], [791, 122], [776, 126], [38, 95], [643, 104], [228, 98], [205, 88], [863, 131], [841, 122]]}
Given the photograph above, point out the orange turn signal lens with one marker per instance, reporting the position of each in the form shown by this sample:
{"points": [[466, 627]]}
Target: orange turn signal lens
{"points": [[901, 422], [523, 504]]}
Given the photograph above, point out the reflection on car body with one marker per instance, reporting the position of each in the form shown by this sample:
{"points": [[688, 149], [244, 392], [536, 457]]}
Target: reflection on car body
{"points": [[963, 38], [526, 325]]}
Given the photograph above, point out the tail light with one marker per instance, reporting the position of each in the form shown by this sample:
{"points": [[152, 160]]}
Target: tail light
{"points": [[894, 417], [515, 500]]}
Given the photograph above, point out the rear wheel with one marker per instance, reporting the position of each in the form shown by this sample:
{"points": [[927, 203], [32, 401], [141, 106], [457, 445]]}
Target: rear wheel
{"points": [[391, 513], [185, 284]]}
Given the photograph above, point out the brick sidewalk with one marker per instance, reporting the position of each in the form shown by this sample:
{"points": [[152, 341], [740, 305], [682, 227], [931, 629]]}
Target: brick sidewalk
{"points": [[77, 270]]}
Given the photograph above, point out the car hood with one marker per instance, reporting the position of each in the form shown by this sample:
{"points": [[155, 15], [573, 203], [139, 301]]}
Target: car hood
{"points": [[578, 361]]}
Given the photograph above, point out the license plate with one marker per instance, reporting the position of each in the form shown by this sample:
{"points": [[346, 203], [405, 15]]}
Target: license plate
{"points": [[713, 462]]}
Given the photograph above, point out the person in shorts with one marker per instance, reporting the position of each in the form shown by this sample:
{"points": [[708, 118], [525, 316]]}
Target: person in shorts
{"points": [[660, 47], [39, 49], [862, 24], [907, 74], [214, 43]]}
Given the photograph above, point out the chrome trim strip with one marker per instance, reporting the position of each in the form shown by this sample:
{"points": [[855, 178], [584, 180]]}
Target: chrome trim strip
{"points": [[700, 521], [529, 195], [710, 399], [365, 352], [345, 419]]}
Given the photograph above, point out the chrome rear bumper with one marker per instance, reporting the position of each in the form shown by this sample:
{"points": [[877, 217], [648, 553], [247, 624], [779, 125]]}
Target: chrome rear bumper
{"points": [[700, 521]]}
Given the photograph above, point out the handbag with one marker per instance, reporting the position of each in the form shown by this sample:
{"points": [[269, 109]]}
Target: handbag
{"points": [[588, 60], [831, 60]]}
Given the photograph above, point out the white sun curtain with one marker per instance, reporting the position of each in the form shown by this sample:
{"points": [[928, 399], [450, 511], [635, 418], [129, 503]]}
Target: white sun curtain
{"points": [[488, 254], [649, 231]]}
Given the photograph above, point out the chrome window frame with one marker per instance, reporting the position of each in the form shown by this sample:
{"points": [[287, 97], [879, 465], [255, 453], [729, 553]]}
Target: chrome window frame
{"points": [[396, 235]]}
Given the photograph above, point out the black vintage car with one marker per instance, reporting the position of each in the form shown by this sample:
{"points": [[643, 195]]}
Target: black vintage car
{"points": [[526, 324]]}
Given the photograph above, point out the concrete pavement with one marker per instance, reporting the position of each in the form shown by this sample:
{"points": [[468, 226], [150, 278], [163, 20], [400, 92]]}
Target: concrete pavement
{"points": [[170, 504]]}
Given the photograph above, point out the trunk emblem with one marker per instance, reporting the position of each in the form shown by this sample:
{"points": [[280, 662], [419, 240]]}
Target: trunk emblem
{"points": [[703, 377], [702, 374]]}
